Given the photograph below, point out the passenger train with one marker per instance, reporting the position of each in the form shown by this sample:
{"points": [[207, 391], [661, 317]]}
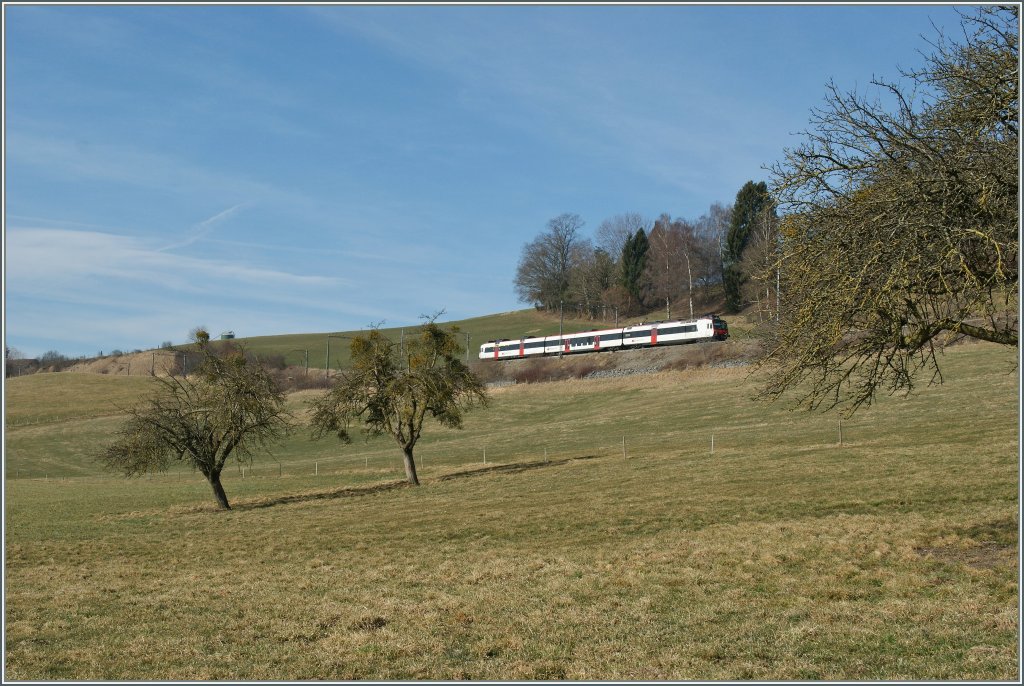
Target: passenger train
{"points": [[707, 328]]}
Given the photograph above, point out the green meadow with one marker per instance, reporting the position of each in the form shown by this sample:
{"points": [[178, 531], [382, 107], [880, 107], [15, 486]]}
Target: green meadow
{"points": [[578, 530]]}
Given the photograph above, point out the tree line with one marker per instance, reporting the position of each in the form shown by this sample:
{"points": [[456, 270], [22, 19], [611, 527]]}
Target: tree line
{"points": [[635, 265], [630, 264], [890, 232]]}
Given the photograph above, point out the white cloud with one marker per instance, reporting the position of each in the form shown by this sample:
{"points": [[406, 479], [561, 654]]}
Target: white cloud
{"points": [[77, 159], [98, 289], [57, 260]]}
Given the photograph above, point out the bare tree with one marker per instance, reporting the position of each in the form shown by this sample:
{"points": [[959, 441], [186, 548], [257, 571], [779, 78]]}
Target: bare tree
{"points": [[12, 361], [612, 234], [229, 409], [669, 266], [391, 391], [592, 274], [710, 230], [761, 261], [902, 225], [543, 273], [200, 334]]}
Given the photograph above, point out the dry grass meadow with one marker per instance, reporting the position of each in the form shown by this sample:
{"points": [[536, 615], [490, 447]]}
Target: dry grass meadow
{"points": [[781, 556]]}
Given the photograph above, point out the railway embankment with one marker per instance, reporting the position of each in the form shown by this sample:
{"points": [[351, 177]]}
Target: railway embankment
{"points": [[619, 363]]}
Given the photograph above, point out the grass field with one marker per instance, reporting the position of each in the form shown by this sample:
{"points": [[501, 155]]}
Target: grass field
{"points": [[480, 330], [507, 325], [782, 555]]}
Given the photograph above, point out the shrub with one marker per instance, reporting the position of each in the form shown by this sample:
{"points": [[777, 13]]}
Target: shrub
{"points": [[54, 361], [530, 373], [273, 362], [295, 379]]}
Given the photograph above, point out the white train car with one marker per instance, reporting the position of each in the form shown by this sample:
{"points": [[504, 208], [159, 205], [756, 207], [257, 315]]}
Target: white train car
{"points": [[706, 328]]}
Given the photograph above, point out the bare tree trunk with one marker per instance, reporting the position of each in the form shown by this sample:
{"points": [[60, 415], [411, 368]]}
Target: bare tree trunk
{"points": [[218, 491], [410, 466], [689, 282]]}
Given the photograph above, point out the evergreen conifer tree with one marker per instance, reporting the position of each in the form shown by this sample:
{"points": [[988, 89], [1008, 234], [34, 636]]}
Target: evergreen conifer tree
{"points": [[751, 201], [634, 260]]}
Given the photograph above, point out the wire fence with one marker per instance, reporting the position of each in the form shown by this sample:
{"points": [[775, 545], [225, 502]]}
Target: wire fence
{"points": [[440, 457]]}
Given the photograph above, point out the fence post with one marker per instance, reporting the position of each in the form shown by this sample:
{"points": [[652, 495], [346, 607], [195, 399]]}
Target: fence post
{"points": [[485, 455], [316, 469], [840, 431], [712, 443], [623, 447]]}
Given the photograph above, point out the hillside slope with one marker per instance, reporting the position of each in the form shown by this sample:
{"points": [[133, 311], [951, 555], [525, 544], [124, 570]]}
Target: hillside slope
{"points": [[295, 349], [580, 530], [480, 329]]}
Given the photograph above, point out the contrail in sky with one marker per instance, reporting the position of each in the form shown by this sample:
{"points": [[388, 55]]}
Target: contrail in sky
{"points": [[202, 228]]}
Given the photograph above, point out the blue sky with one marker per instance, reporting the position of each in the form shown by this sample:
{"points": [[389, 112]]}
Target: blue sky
{"points": [[283, 169]]}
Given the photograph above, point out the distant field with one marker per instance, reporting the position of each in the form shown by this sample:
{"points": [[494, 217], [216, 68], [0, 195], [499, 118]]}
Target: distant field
{"points": [[480, 329], [781, 556], [296, 348]]}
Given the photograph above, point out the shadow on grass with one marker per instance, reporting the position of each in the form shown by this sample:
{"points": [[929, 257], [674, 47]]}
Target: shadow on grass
{"points": [[512, 468], [349, 492], [356, 491]]}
